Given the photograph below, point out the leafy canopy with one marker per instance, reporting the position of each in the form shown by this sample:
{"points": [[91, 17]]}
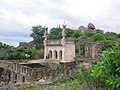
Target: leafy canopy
{"points": [[108, 69], [37, 34]]}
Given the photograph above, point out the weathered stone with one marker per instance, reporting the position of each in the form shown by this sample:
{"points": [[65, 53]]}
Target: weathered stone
{"points": [[82, 28], [62, 49], [91, 26]]}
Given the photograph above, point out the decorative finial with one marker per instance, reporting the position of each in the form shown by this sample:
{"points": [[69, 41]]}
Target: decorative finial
{"points": [[64, 25], [64, 31], [45, 32]]}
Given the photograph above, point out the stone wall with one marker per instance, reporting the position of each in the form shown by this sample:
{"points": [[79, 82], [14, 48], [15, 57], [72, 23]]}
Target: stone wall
{"points": [[93, 50], [11, 72], [55, 72]]}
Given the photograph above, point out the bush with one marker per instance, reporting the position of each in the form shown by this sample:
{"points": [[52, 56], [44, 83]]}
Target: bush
{"points": [[98, 37], [107, 70]]}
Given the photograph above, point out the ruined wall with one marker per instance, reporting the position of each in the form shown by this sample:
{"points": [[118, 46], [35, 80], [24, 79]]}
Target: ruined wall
{"points": [[93, 50], [12, 72], [55, 72]]}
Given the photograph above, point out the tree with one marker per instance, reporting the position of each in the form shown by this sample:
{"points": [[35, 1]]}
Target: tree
{"points": [[37, 34], [98, 37], [76, 34], [111, 36], [55, 33], [89, 34], [99, 31], [118, 35], [107, 70]]}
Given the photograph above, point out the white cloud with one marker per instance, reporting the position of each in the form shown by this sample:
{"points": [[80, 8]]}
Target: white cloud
{"points": [[18, 16]]}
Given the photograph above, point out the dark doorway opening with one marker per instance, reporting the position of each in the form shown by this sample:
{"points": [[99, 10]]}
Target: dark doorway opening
{"points": [[23, 79]]}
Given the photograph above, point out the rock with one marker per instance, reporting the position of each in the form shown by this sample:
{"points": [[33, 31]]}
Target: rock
{"points": [[82, 28], [41, 81], [91, 26]]}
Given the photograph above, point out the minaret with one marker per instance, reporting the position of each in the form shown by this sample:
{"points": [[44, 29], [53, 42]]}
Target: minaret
{"points": [[45, 42], [63, 41], [63, 31], [45, 33]]}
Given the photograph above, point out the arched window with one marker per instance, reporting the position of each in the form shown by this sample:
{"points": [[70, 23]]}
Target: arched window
{"points": [[50, 54], [55, 54], [60, 54]]}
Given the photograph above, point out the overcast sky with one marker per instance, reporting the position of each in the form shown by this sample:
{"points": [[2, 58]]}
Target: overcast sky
{"points": [[18, 16]]}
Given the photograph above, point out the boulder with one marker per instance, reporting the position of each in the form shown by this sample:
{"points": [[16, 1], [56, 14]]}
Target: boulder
{"points": [[91, 26]]}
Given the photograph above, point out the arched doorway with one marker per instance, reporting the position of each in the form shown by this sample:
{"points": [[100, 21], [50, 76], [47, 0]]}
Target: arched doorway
{"points": [[23, 79], [50, 54], [55, 54], [60, 54]]}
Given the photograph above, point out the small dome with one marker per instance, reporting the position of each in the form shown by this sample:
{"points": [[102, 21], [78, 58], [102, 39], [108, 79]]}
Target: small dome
{"points": [[91, 26]]}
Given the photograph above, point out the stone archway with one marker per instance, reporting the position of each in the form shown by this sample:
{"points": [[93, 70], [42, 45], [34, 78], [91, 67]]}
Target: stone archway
{"points": [[23, 79], [50, 54], [60, 54], [55, 54]]}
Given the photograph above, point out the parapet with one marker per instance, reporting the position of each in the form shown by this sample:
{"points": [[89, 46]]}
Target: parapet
{"points": [[70, 41], [53, 42]]}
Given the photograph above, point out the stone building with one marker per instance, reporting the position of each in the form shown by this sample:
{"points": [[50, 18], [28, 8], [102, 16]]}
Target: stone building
{"points": [[63, 49], [93, 50], [88, 48], [13, 72]]}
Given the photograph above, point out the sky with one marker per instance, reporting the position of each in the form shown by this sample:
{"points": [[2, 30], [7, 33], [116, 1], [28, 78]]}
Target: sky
{"points": [[18, 16]]}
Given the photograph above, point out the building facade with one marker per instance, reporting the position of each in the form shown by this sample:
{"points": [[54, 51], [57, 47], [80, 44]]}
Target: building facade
{"points": [[62, 49]]}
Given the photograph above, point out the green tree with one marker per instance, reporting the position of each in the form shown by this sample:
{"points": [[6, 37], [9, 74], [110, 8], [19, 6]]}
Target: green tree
{"points": [[99, 31], [77, 34], [118, 35], [98, 37], [39, 46], [111, 36], [37, 34], [55, 33], [89, 34], [107, 70]]}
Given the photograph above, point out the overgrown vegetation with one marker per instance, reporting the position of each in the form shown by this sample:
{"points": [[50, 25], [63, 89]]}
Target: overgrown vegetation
{"points": [[105, 75], [36, 52]]}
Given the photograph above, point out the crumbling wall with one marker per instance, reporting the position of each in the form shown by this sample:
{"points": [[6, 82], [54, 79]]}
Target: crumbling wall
{"points": [[55, 72], [12, 72]]}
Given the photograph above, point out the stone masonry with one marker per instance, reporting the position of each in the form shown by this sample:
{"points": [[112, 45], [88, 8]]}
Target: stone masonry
{"points": [[63, 49]]}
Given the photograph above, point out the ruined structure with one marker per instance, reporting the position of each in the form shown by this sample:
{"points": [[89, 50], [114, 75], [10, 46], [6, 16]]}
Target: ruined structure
{"points": [[59, 60], [88, 48], [63, 49], [33, 71], [13, 72], [26, 44], [93, 50]]}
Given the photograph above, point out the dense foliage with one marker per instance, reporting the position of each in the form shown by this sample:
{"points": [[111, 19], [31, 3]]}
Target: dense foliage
{"points": [[104, 74], [56, 33], [97, 35], [20, 53], [108, 69], [37, 34]]}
